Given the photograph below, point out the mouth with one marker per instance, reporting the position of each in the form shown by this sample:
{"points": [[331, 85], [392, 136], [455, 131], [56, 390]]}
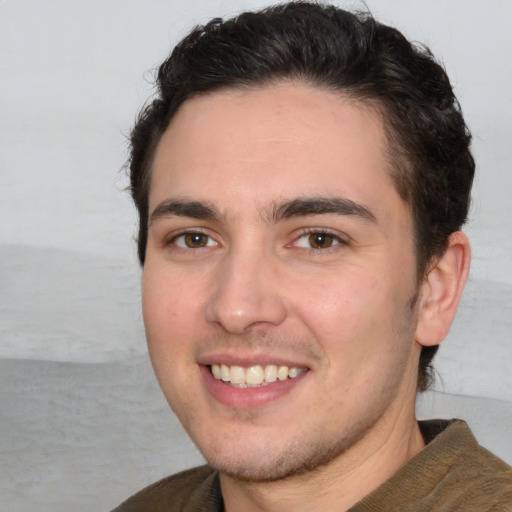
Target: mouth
{"points": [[254, 376], [250, 385]]}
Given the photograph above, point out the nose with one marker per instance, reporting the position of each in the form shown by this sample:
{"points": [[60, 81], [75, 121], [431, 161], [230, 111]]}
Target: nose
{"points": [[246, 293]]}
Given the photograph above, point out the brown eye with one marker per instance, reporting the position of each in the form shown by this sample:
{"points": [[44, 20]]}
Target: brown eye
{"points": [[193, 240], [320, 240]]}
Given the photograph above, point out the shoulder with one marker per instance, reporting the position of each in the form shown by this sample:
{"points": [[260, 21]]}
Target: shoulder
{"points": [[482, 481], [453, 473], [193, 489], [469, 477], [479, 482]]}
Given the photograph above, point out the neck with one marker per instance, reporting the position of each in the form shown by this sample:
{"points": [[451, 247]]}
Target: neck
{"points": [[338, 485]]}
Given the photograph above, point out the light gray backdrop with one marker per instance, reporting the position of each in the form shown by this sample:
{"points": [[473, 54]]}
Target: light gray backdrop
{"points": [[82, 423]]}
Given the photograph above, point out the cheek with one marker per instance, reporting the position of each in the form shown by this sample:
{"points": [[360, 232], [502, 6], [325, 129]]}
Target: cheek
{"points": [[359, 314], [337, 304], [169, 307], [169, 323]]}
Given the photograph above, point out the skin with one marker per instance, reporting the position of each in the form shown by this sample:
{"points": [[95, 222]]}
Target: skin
{"points": [[242, 282]]}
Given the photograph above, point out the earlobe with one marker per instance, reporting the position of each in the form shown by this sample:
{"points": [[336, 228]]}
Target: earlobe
{"points": [[441, 291]]}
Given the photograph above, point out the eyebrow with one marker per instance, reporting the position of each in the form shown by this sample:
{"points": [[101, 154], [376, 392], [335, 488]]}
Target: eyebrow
{"points": [[177, 208], [320, 206], [302, 207]]}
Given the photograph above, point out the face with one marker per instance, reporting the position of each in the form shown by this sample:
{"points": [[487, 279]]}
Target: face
{"points": [[279, 279]]}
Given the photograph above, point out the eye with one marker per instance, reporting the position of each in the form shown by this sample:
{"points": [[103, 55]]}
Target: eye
{"points": [[318, 240], [193, 240]]}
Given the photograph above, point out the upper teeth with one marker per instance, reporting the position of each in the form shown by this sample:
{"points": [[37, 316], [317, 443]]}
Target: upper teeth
{"points": [[254, 375]]}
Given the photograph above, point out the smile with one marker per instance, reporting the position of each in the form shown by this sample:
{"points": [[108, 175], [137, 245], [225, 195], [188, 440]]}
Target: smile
{"points": [[253, 376]]}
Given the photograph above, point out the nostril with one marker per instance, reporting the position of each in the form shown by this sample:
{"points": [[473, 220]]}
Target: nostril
{"points": [[237, 316]]}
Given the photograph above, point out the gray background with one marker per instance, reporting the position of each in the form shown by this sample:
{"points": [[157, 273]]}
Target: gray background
{"points": [[82, 422]]}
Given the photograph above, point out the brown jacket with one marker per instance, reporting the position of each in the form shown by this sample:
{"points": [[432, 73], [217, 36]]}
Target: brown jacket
{"points": [[453, 473]]}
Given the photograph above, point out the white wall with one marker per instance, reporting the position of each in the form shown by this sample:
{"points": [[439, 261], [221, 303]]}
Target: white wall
{"points": [[72, 76]]}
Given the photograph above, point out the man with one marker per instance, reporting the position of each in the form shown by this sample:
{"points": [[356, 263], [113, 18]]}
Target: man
{"points": [[301, 180]]}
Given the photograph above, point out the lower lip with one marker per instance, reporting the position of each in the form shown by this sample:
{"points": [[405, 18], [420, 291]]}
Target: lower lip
{"points": [[248, 398]]}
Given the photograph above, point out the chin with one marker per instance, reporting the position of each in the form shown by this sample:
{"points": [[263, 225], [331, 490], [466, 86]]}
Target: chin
{"points": [[262, 472], [277, 463]]}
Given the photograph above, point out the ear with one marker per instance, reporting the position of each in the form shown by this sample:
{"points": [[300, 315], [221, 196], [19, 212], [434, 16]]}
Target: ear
{"points": [[441, 289]]}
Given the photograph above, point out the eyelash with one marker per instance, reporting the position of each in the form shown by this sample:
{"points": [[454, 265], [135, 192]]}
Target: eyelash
{"points": [[337, 240], [182, 234]]}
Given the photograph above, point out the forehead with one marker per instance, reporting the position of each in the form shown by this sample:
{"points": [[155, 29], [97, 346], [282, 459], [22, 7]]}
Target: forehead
{"points": [[272, 143]]}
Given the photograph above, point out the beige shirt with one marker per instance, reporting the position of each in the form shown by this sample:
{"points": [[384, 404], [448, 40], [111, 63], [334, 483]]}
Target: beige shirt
{"points": [[452, 473]]}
